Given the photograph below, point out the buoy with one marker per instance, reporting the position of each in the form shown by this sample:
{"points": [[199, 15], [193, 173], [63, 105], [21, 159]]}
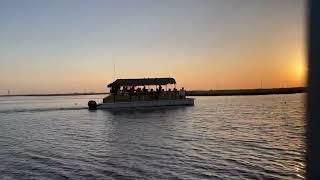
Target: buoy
{"points": [[92, 105]]}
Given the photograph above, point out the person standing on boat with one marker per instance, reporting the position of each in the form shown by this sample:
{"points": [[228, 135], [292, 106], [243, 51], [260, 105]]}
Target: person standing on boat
{"points": [[151, 94], [144, 90], [175, 92], [131, 92], [139, 92], [182, 93], [158, 92]]}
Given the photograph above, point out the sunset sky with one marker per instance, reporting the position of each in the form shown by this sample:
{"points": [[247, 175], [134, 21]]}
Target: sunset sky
{"points": [[62, 46]]}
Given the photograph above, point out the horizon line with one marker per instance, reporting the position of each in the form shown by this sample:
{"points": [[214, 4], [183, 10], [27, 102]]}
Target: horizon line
{"points": [[101, 93]]}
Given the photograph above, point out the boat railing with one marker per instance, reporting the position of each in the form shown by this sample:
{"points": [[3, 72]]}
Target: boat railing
{"points": [[129, 97]]}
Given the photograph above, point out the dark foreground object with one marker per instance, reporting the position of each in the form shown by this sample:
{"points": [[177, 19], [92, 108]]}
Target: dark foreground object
{"points": [[92, 105], [248, 92], [313, 113]]}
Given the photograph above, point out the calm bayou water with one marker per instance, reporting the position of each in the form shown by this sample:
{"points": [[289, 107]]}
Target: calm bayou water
{"points": [[240, 137]]}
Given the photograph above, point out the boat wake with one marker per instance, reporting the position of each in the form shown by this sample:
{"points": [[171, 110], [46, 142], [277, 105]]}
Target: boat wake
{"points": [[9, 111]]}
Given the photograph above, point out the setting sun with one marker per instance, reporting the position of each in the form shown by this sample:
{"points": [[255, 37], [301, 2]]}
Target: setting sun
{"points": [[301, 72]]}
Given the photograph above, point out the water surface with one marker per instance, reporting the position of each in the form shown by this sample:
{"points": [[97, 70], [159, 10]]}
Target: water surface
{"points": [[239, 137]]}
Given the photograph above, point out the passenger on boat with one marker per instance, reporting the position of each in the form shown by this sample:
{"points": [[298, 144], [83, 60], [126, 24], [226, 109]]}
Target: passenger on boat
{"points": [[139, 92], [175, 90], [182, 93], [169, 93], [145, 91], [175, 93], [158, 92], [121, 92], [131, 91], [124, 91], [114, 90], [151, 91]]}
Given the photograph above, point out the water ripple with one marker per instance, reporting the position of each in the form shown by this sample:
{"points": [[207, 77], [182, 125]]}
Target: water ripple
{"points": [[251, 137]]}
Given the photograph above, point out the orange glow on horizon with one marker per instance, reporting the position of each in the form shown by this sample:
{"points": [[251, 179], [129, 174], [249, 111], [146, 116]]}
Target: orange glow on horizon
{"points": [[301, 71]]}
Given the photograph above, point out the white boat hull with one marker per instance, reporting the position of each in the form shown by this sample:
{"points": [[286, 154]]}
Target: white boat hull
{"points": [[140, 104]]}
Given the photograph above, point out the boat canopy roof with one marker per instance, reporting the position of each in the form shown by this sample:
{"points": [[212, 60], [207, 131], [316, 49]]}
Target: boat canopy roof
{"points": [[142, 82]]}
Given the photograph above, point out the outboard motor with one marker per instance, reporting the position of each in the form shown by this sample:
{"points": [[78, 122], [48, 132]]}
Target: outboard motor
{"points": [[92, 105]]}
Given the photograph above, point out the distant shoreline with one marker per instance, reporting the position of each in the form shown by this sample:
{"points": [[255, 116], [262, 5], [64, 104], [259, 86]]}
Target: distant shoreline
{"points": [[248, 92], [232, 92], [62, 94]]}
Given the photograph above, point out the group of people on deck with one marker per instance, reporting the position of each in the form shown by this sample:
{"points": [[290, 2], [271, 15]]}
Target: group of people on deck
{"points": [[132, 91]]}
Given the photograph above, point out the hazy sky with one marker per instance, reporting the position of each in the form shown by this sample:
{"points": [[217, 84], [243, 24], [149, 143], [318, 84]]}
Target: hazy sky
{"points": [[66, 46]]}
